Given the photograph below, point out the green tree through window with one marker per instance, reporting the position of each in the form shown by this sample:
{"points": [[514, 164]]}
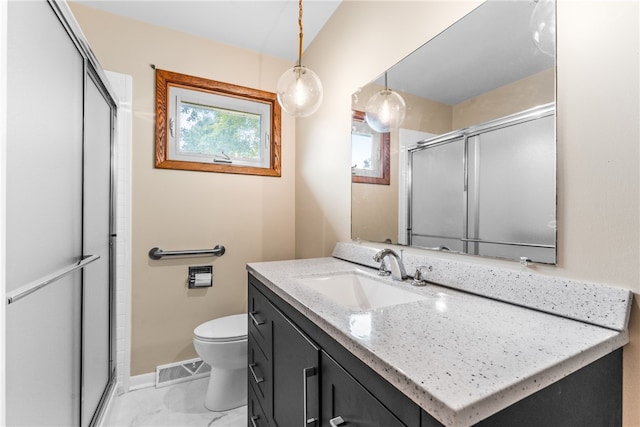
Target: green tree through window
{"points": [[210, 126], [209, 130]]}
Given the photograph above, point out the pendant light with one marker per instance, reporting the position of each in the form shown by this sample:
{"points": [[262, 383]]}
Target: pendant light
{"points": [[299, 89], [543, 25], [385, 110]]}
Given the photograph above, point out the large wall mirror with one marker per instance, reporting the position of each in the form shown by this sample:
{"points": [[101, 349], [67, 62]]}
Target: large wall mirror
{"points": [[473, 164]]}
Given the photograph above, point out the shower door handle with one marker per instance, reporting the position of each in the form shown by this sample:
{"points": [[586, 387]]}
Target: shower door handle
{"points": [[30, 288]]}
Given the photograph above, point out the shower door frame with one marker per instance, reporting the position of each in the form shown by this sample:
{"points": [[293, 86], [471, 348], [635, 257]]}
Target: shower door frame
{"points": [[91, 71]]}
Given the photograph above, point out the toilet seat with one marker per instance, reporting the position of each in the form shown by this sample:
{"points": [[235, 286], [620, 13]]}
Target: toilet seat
{"points": [[223, 329]]}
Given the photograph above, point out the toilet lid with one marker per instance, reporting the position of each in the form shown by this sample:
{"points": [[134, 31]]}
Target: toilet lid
{"points": [[229, 328]]}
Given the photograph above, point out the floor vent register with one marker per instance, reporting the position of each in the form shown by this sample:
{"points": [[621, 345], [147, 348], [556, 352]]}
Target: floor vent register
{"points": [[179, 372]]}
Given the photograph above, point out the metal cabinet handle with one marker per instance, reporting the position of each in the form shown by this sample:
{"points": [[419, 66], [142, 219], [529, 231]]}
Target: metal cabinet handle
{"points": [[335, 422], [254, 319], [253, 372], [254, 419], [306, 373]]}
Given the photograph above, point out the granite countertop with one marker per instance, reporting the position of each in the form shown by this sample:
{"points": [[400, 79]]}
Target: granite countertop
{"points": [[461, 357]]}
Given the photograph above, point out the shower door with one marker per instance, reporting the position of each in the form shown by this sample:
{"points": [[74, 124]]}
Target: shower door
{"points": [[437, 196], [58, 221], [98, 234], [488, 190]]}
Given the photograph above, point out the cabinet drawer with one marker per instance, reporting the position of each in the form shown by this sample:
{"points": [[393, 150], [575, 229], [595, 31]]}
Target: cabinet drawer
{"points": [[344, 397], [260, 320], [259, 375], [255, 412]]}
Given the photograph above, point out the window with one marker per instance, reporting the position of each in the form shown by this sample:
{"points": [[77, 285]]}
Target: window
{"points": [[369, 152], [205, 125]]}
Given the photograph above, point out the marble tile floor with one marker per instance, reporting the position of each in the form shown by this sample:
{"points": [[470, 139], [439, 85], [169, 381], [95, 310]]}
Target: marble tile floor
{"points": [[179, 405]]}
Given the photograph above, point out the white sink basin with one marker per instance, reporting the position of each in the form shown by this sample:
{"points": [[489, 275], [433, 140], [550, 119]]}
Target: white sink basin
{"points": [[358, 291]]}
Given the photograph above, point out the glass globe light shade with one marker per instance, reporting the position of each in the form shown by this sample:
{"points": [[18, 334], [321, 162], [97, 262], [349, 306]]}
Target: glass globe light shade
{"points": [[299, 91], [385, 110], [543, 25]]}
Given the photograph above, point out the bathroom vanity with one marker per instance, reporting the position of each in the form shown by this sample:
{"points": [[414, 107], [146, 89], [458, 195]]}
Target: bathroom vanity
{"points": [[426, 356]]}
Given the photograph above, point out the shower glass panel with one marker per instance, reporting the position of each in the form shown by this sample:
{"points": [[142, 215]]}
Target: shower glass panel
{"points": [[42, 341], [97, 234], [437, 209], [44, 150], [44, 208], [58, 211], [512, 191], [488, 189]]}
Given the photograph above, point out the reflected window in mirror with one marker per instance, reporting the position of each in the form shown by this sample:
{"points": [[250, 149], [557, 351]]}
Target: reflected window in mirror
{"points": [[369, 152]]}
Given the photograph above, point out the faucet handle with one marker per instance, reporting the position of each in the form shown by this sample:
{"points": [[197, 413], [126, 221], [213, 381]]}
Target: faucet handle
{"points": [[383, 271], [420, 276]]}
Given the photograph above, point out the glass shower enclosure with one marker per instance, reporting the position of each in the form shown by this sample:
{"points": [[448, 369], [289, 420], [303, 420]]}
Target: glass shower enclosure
{"points": [[488, 190], [60, 227]]}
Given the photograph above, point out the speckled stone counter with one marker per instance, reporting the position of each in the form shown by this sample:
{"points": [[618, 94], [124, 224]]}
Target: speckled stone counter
{"points": [[461, 357]]}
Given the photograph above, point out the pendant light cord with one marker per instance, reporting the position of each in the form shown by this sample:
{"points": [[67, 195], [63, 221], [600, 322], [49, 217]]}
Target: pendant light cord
{"points": [[300, 35]]}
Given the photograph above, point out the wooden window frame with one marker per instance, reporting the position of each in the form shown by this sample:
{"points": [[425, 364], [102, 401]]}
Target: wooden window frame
{"points": [[385, 143], [166, 79]]}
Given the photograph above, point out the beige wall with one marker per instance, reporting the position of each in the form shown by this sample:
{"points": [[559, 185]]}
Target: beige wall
{"points": [[520, 95], [251, 216], [382, 224], [598, 155]]}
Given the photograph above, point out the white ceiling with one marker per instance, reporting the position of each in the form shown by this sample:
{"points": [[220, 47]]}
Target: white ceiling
{"points": [[266, 26], [490, 47]]}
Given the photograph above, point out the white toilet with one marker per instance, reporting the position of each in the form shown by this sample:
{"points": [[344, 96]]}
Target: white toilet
{"points": [[222, 344]]}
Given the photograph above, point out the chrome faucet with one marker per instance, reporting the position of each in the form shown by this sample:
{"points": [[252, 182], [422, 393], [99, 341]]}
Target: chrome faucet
{"points": [[397, 268]]}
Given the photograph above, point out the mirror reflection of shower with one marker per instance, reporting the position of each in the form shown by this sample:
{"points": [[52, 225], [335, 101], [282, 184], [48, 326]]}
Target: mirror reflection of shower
{"points": [[485, 67]]}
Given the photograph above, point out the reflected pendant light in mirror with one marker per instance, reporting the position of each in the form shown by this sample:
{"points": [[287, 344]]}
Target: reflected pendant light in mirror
{"points": [[543, 24], [299, 89], [385, 110]]}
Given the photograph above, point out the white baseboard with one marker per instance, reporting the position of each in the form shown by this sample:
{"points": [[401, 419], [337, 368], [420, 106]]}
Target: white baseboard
{"points": [[142, 381]]}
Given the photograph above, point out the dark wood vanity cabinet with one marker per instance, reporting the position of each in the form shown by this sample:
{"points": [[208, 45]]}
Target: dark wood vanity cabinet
{"points": [[343, 398], [295, 367], [297, 377], [300, 376], [283, 367]]}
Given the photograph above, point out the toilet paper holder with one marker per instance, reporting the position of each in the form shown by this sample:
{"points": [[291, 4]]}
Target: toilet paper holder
{"points": [[200, 277]]}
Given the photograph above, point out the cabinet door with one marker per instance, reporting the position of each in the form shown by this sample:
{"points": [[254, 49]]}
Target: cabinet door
{"points": [[346, 402], [295, 375], [259, 376], [254, 411], [260, 319]]}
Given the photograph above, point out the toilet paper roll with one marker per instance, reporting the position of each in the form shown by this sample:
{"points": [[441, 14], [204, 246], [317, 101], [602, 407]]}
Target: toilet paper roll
{"points": [[202, 280]]}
